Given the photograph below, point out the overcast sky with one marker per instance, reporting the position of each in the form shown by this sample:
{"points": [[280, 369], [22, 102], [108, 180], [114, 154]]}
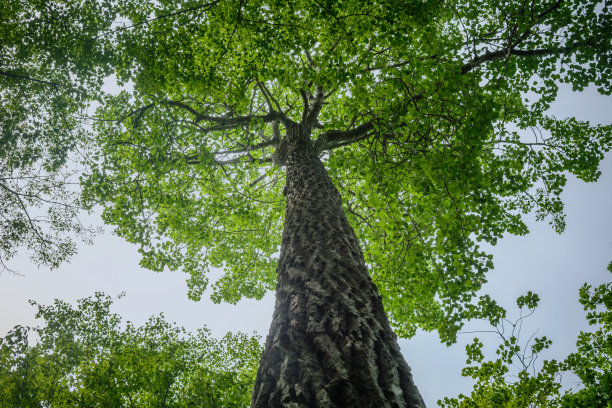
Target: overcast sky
{"points": [[553, 265]]}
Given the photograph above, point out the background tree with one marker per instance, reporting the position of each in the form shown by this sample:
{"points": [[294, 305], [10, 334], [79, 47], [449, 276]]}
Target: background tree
{"points": [[430, 119], [514, 379], [86, 356], [52, 63]]}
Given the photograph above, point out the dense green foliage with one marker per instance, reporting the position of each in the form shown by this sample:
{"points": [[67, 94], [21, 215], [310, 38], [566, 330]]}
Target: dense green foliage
{"points": [[85, 356], [516, 379], [430, 117]]}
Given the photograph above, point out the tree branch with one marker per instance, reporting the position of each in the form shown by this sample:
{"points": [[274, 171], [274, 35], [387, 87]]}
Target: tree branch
{"points": [[192, 159], [28, 78], [247, 158], [314, 108], [497, 55], [336, 138], [34, 228], [305, 103], [510, 48], [334, 16], [250, 148], [221, 122], [265, 95]]}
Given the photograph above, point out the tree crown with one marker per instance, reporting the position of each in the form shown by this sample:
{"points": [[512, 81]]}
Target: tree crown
{"points": [[430, 117]]}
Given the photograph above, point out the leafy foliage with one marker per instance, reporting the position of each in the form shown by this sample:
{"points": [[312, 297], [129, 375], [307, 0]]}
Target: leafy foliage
{"points": [[430, 117], [85, 356], [515, 380], [51, 65]]}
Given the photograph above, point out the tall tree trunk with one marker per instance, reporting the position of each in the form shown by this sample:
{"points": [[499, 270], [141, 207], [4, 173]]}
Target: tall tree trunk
{"points": [[330, 342]]}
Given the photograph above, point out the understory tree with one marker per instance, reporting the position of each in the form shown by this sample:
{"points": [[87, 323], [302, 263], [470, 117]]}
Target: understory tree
{"points": [[350, 155], [85, 356]]}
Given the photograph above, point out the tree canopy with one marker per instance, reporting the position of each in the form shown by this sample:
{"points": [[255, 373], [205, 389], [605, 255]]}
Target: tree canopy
{"points": [[430, 117], [86, 356]]}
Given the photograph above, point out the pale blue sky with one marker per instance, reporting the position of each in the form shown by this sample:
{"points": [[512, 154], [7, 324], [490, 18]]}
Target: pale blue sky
{"points": [[550, 264]]}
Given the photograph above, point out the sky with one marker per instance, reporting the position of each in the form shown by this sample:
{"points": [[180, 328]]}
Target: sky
{"points": [[552, 265]]}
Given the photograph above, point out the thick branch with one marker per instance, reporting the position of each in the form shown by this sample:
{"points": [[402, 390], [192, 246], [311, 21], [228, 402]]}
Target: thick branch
{"points": [[250, 148], [244, 158], [335, 138], [315, 107], [247, 158], [228, 122], [306, 105], [268, 96]]}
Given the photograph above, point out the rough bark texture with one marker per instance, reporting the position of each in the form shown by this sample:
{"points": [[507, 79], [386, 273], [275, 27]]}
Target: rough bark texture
{"points": [[330, 342]]}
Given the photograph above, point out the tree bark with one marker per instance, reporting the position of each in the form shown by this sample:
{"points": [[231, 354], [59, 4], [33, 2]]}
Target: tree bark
{"points": [[330, 343]]}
